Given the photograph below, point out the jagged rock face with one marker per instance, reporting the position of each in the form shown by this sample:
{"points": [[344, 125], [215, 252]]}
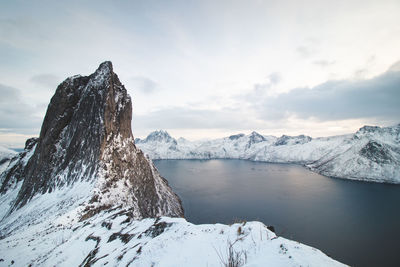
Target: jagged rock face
{"points": [[14, 172], [254, 139], [236, 136], [377, 153], [86, 135], [292, 140], [160, 136], [372, 131]]}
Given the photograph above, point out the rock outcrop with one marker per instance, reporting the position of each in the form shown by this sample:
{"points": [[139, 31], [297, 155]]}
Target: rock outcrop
{"points": [[86, 136]]}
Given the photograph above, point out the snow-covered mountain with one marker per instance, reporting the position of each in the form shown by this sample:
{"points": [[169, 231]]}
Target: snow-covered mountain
{"points": [[5, 156], [6, 153], [371, 154], [83, 194], [86, 137]]}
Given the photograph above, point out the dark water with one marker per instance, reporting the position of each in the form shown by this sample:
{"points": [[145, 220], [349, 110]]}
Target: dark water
{"points": [[356, 223]]}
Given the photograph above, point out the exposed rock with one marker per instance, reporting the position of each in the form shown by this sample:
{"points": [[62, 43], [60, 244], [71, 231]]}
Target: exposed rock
{"points": [[86, 136], [376, 152], [160, 136], [14, 173], [254, 139], [292, 140], [236, 136]]}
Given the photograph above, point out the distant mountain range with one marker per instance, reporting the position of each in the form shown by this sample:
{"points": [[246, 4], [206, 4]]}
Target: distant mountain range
{"points": [[371, 154]]}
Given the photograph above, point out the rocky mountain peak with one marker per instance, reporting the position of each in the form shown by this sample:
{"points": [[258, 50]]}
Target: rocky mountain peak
{"points": [[372, 132], [236, 136], [292, 140], [159, 136], [86, 136], [368, 129], [30, 143], [105, 67], [256, 137]]}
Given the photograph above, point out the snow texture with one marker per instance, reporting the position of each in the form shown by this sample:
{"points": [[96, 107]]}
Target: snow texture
{"points": [[47, 232], [5, 156]]}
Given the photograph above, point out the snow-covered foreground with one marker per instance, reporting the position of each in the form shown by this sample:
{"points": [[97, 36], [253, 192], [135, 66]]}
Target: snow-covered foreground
{"points": [[47, 232], [370, 154]]}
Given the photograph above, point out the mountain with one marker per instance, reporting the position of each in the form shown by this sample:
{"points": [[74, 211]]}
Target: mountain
{"points": [[371, 154], [160, 136], [292, 140], [83, 194], [86, 136], [5, 156]]}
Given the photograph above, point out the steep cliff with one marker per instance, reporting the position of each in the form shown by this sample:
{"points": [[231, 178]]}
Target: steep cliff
{"points": [[86, 137]]}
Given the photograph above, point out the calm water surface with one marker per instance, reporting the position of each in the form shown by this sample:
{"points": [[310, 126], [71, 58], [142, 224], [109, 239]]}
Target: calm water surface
{"points": [[356, 223]]}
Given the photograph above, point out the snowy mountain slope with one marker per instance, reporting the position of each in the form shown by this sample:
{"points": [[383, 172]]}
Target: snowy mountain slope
{"points": [[113, 238], [82, 194], [6, 153], [371, 154], [5, 156], [235, 146], [10, 185]]}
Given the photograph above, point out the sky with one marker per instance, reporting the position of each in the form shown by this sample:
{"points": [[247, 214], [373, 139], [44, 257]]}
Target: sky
{"points": [[208, 69]]}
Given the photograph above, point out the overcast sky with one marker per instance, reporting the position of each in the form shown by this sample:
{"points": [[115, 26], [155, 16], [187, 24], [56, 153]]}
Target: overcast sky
{"points": [[205, 69]]}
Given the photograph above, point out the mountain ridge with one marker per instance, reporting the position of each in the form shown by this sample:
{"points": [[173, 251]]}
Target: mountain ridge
{"points": [[370, 154]]}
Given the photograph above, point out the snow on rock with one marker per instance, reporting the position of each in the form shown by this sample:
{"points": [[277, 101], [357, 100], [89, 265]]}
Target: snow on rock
{"points": [[113, 238], [371, 154], [5, 156], [292, 140], [17, 163], [86, 136], [6, 153]]}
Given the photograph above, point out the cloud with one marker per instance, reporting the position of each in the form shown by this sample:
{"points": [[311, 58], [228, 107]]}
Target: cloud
{"points": [[144, 84], [324, 63], [378, 97], [360, 73], [190, 118], [261, 90], [305, 51], [274, 78], [395, 66], [15, 113], [46, 80]]}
